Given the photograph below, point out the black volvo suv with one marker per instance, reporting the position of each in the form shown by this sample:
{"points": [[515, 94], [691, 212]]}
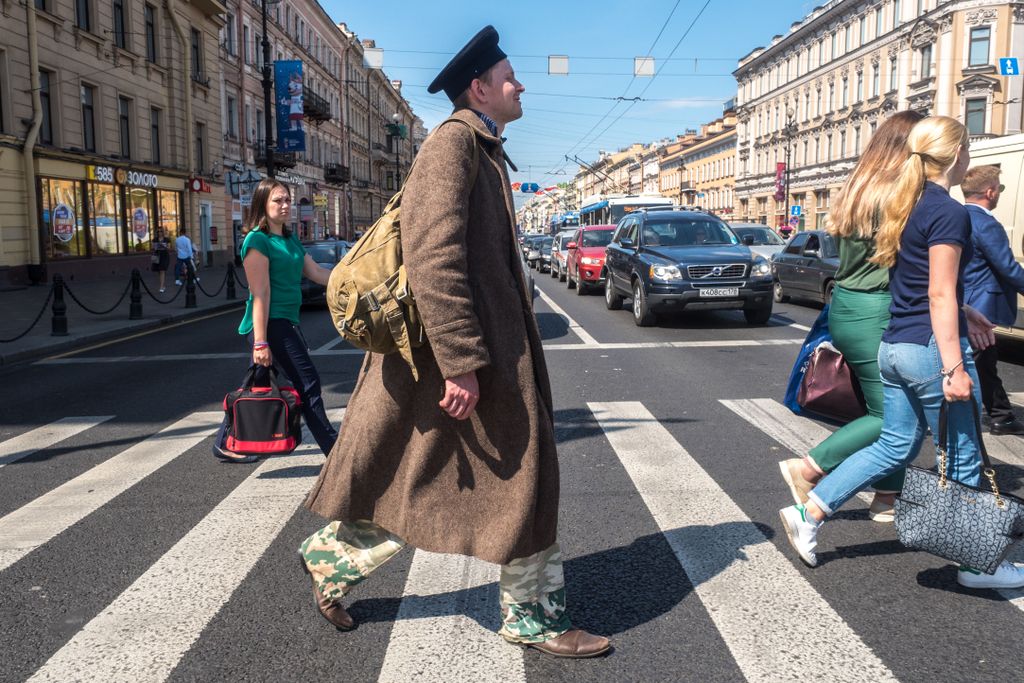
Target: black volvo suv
{"points": [[671, 260]]}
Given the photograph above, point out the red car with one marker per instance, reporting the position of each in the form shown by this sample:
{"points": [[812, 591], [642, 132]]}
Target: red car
{"points": [[584, 263]]}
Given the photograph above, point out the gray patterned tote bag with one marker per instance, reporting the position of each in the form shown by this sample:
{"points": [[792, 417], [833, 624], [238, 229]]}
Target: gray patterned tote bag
{"points": [[972, 526]]}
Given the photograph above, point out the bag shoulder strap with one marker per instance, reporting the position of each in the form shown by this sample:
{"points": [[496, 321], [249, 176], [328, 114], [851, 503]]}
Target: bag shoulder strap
{"points": [[944, 430]]}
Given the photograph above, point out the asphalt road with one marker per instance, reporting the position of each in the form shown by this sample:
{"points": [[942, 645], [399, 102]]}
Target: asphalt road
{"points": [[127, 552]]}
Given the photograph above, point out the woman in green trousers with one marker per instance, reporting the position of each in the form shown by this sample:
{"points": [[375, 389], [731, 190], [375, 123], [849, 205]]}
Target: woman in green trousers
{"points": [[859, 312]]}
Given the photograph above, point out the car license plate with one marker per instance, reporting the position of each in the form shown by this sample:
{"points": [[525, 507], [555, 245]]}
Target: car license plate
{"points": [[719, 291]]}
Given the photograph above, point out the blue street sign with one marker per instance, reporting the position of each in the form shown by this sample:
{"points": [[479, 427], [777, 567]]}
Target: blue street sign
{"points": [[795, 210], [1008, 66], [529, 188]]}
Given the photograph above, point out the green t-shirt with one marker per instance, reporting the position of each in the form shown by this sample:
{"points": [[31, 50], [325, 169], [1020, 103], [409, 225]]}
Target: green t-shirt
{"points": [[286, 257], [855, 272]]}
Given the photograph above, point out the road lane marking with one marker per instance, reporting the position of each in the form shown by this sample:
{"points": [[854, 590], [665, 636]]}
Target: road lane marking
{"points": [[334, 341], [41, 438], [35, 523], [573, 325], [798, 434], [146, 630], [739, 575], [783, 322], [446, 628]]}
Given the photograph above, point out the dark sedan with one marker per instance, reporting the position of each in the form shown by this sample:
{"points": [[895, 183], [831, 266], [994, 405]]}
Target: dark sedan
{"points": [[326, 253], [807, 267], [667, 261]]}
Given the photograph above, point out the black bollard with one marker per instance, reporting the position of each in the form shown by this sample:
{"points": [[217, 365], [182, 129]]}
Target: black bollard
{"points": [[59, 322], [135, 307], [190, 289], [231, 282]]}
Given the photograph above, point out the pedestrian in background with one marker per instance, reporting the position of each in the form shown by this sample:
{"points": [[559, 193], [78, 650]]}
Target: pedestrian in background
{"points": [[184, 250], [992, 280], [859, 311], [464, 460], [161, 256], [925, 355], [275, 262]]}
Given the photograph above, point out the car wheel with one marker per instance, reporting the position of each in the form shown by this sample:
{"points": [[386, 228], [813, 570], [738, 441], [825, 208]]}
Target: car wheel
{"points": [[778, 295], [554, 272], [561, 274], [612, 300], [581, 286], [829, 288], [569, 281], [758, 316], [642, 315]]}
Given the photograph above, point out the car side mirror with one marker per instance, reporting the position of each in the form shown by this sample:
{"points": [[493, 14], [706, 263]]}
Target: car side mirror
{"points": [[748, 240], [627, 243], [816, 253], [571, 245]]}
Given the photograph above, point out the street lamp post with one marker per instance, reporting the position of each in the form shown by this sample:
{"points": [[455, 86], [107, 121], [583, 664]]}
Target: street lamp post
{"points": [[268, 119], [788, 132], [398, 146]]}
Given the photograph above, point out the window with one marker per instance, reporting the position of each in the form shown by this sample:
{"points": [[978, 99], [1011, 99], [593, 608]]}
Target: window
{"points": [[246, 47], [926, 62], [848, 38], [842, 144], [120, 36], [88, 97], [391, 181], [229, 34], [856, 141], [893, 74], [197, 54], [860, 86], [831, 96], [975, 116], [248, 123], [897, 9], [124, 122], [980, 38], [154, 135], [828, 147], [41, 4], [257, 41], [46, 130], [817, 107], [83, 17], [845, 92], [232, 113], [878, 22], [796, 245], [150, 13], [834, 38], [876, 80], [200, 147], [863, 29], [821, 52]]}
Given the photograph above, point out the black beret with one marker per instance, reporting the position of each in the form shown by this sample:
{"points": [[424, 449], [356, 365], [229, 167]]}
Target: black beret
{"points": [[478, 55]]}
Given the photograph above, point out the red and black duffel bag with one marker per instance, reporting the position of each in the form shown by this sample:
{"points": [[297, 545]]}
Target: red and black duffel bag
{"points": [[263, 420]]}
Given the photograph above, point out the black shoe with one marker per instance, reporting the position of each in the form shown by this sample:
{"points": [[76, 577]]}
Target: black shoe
{"points": [[227, 456], [1011, 426]]}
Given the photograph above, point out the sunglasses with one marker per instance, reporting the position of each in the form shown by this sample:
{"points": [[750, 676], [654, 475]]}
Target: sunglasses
{"points": [[1002, 187]]}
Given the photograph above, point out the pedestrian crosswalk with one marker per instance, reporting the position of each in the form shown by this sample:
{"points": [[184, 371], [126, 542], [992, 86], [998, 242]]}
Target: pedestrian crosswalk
{"points": [[776, 623]]}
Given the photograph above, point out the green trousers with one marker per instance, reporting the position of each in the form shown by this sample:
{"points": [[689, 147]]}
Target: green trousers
{"points": [[342, 554], [857, 321]]}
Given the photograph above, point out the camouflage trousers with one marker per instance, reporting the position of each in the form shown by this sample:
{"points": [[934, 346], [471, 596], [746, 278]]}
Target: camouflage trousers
{"points": [[342, 554]]}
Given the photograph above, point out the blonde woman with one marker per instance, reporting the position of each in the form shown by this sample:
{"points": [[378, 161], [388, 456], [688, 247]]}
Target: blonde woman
{"points": [[859, 312], [925, 357]]}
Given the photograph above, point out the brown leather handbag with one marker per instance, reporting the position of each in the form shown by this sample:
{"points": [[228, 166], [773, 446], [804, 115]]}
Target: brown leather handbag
{"points": [[829, 388]]}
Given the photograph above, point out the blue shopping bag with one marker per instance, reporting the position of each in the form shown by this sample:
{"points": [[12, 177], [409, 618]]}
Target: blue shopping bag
{"points": [[819, 333]]}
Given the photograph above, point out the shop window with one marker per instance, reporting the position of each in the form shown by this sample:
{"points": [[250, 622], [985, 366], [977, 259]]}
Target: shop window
{"points": [[170, 212], [980, 38], [106, 220], [63, 227], [88, 97], [46, 130], [975, 116], [140, 216], [150, 15]]}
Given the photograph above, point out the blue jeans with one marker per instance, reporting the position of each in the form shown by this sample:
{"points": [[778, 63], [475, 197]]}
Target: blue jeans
{"points": [[912, 387], [289, 351]]}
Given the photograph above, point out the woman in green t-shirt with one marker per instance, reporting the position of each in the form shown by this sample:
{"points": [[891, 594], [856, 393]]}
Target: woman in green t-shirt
{"points": [[859, 311], [275, 262]]}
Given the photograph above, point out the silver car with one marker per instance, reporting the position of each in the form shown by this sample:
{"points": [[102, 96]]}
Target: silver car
{"points": [[761, 239], [559, 253]]}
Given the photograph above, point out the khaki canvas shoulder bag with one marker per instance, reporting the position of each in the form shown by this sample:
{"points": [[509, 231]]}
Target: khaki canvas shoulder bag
{"points": [[368, 294]]}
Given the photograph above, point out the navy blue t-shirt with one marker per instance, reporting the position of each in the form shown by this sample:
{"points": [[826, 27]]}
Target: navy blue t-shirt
{"points": [[937, 218]]}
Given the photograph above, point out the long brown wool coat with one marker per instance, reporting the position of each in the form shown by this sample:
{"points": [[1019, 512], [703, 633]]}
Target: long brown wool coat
{"points": [[486, 486]]}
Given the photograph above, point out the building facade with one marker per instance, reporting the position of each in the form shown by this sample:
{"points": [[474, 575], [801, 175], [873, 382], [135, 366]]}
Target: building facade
{"points": [[121, 113], [815, 96], [698, 168]]}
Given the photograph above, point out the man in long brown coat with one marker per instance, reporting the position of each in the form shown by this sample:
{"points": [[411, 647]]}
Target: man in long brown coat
{"points": [[462, 460]]}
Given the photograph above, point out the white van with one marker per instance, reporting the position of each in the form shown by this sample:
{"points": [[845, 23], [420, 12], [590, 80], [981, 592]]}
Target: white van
{"points": [[1006, 152]]}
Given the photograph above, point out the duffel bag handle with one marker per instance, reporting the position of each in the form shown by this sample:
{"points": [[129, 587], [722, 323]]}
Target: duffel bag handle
{"points": [[250, 377], [986, 469]]}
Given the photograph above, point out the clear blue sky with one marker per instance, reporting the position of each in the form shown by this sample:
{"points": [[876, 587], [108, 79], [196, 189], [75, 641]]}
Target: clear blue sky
{"points": [[601, 38]]}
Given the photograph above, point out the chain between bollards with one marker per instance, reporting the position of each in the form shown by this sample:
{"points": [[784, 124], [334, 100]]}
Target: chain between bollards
{"points": [[190, 288], [135, 307], [231, 282], [59, 321]]}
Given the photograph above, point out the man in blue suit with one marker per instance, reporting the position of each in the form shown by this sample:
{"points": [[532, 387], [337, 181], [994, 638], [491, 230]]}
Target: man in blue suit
{"points": [[992, 280]]}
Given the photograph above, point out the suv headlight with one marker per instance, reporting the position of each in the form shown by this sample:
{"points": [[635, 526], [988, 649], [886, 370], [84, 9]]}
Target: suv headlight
{"points": [[761, 268], [588, 261], [666, 273]]}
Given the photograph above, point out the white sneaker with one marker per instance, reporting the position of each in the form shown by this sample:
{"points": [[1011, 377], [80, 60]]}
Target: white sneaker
{"points": [[1008, 575], [802, 532], [162, 290], [178, 282]]}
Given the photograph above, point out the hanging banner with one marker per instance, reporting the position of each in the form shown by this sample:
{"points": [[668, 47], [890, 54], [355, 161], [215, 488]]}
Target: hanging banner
{"points": [[291, 136], [780, 182]]}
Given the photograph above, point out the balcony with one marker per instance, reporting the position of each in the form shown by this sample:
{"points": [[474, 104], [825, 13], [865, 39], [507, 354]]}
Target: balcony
{"points": [[281, 159], [380, 153], [336, 173], [315, 108]]}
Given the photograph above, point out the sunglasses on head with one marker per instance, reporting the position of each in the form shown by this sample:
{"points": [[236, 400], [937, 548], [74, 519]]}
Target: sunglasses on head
{"points": [[1002, 187]]}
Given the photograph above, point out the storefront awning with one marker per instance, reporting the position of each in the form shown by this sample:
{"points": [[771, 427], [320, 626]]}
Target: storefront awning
{"points": [[590, 208]]}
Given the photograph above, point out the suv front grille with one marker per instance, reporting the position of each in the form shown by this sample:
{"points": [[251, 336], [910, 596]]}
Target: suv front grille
{"points": [[731, 270]]}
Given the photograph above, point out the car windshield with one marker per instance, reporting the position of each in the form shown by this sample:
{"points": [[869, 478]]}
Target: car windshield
{"points": [[761, 236], [597, 238], [545, 245], [322, 253], [687, 233]]}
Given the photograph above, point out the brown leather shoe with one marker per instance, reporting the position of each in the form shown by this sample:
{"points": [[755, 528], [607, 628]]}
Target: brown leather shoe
{"points": [[574, 643], [331, 610]]}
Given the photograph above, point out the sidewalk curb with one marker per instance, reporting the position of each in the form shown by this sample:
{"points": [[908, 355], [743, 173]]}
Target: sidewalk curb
{"points": [[9, 360]]}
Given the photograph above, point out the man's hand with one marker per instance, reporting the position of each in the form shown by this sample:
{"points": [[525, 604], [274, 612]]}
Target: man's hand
{"points": [[460, 395], [979, 329]]}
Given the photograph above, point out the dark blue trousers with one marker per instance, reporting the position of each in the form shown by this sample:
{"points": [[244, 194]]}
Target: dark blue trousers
{"points": [[291, 356]]}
